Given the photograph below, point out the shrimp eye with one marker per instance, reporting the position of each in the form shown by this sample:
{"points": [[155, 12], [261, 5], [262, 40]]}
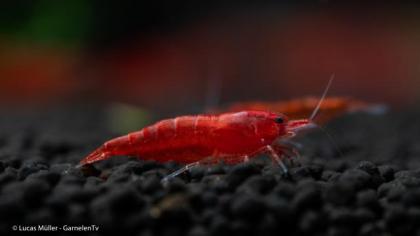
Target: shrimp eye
{"points": [[279, 120]]}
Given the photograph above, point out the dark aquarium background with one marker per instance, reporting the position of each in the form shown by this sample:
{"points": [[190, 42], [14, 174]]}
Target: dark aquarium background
{"points": [[74, 74]]}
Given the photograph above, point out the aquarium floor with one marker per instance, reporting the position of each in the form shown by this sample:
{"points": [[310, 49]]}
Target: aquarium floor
{"points": [[364, 182]]}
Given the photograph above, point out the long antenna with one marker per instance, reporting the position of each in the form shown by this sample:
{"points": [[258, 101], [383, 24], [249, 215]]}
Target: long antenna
{"points": [[315, 112], [330, 138]]}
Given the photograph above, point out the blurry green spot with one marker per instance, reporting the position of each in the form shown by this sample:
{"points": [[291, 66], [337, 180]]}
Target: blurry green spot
{"points": [[58, 22], [125, 118]]}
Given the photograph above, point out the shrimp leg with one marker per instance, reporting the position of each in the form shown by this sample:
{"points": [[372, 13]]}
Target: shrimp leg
{"points": [[276, 158], [292, 154], [192, 165], [179, 171], [186, 168], [290, 149]]}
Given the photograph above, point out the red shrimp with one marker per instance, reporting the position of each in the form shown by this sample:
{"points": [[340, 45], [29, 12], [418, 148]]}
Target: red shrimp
{"points": [[187, 139], [229, 137]]}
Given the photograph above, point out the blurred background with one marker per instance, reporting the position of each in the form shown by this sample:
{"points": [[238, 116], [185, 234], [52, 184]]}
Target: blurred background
{"points": [[177, 57]]}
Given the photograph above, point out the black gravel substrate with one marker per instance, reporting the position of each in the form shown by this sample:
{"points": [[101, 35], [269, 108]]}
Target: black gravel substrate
{"points": [[370, 187]]}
